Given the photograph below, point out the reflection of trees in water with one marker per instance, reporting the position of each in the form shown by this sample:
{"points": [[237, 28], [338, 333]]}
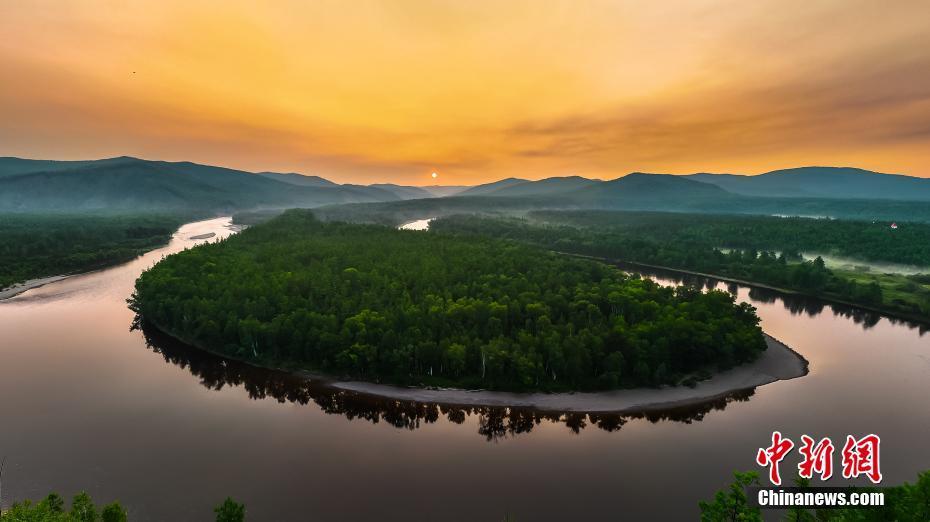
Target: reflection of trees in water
{"points": [[795, 303], [866, 318], [763, 295], [494, 423]]}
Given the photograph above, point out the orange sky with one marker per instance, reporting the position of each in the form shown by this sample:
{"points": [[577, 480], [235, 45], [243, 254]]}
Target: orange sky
{"points": [[367, 91]]}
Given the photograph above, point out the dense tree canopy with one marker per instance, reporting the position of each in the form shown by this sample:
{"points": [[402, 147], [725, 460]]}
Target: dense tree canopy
{"points": [[43, 245], [413, 307], [908, 243], [677, 242], [907, 502], [52, 509]]}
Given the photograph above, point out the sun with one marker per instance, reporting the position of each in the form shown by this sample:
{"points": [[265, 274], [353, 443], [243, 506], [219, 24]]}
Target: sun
{"points": [[435, 175]]}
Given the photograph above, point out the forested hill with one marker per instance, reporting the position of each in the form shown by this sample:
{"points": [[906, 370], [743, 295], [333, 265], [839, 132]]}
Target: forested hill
{"points": [[865, 241], [648, 189], [34, 246], [513, 187], [422, 307], [669, 194], [489, 189], [823, 182], [762, 250], [130, 184], [807, 191]]}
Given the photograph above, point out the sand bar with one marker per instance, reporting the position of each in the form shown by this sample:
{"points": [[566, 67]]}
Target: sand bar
{"points": [[15, 290], [777, 363]]}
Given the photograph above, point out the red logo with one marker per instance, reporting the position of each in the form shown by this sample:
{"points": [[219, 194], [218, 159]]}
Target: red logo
{"points": [[773, 455], [859, 457], [817, 458]]}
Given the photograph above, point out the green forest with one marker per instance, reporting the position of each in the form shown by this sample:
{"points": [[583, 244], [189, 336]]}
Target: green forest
{"points": [[53, 509], [410, 307], [905, 503], [34, 246], [688, 242], [907, 244]]}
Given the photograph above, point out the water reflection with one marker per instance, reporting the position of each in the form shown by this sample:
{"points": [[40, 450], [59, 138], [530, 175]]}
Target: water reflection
{"points": [[494, 423], [797, 304]]}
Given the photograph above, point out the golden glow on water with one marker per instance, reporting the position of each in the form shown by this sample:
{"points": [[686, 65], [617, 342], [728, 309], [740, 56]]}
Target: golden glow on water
{"points": [[377, 91]]}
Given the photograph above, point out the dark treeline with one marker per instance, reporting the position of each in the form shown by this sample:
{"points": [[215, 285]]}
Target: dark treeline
{"points": [[494, 423], [394, 213], [53, 509], [655, 246], [34, 246], [865, 240], [413, 307], [796, 303]]}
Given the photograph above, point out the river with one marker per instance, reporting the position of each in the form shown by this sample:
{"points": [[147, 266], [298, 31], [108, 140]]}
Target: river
{"points": [[91, 403]]}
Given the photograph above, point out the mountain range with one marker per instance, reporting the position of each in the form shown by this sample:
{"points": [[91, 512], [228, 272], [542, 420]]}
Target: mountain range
{"points": [[803, 182], [823, 182], [132, 184], [125, 183], [515, 187]]}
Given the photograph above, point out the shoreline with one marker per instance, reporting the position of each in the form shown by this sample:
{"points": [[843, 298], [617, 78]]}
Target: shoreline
{"points": [[25, 286], [30, 284], [778, 363], [889, 314]]}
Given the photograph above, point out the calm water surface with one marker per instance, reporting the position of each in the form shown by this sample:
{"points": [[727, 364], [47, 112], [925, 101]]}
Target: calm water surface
{"points": [[89, 402]]}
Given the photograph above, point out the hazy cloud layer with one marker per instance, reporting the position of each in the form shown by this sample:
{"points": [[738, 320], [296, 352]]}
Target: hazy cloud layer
{"points": [[474, 90]]}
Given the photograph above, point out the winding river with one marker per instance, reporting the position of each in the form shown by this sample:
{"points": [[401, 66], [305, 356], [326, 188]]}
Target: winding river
{"points": [[91, 402]]}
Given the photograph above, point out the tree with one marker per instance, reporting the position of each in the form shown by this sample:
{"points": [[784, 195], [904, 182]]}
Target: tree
{"points": [[732, 505], [438, 309], [230, 511], [905, 503], [113, 513], [83, 509], [797, 513], [2, 464], [55, 503]]}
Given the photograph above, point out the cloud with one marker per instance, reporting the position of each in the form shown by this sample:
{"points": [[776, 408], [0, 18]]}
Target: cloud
{"points": [[478, 91]]}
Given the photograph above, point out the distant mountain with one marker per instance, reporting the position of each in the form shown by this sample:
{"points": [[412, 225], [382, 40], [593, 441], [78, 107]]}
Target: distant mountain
{"points": [[488, 189], [369, 193], [379, 191], [647, 191], [543, 187], [405, 192], [823, 182], [10, 166], [442, 191], [354, 192], [633, 189], [130, 184], [298, 179]]}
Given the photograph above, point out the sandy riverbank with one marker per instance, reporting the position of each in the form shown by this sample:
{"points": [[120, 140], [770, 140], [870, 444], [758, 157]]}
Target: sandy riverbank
{"points": [[777, 363], [15, 290]]}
